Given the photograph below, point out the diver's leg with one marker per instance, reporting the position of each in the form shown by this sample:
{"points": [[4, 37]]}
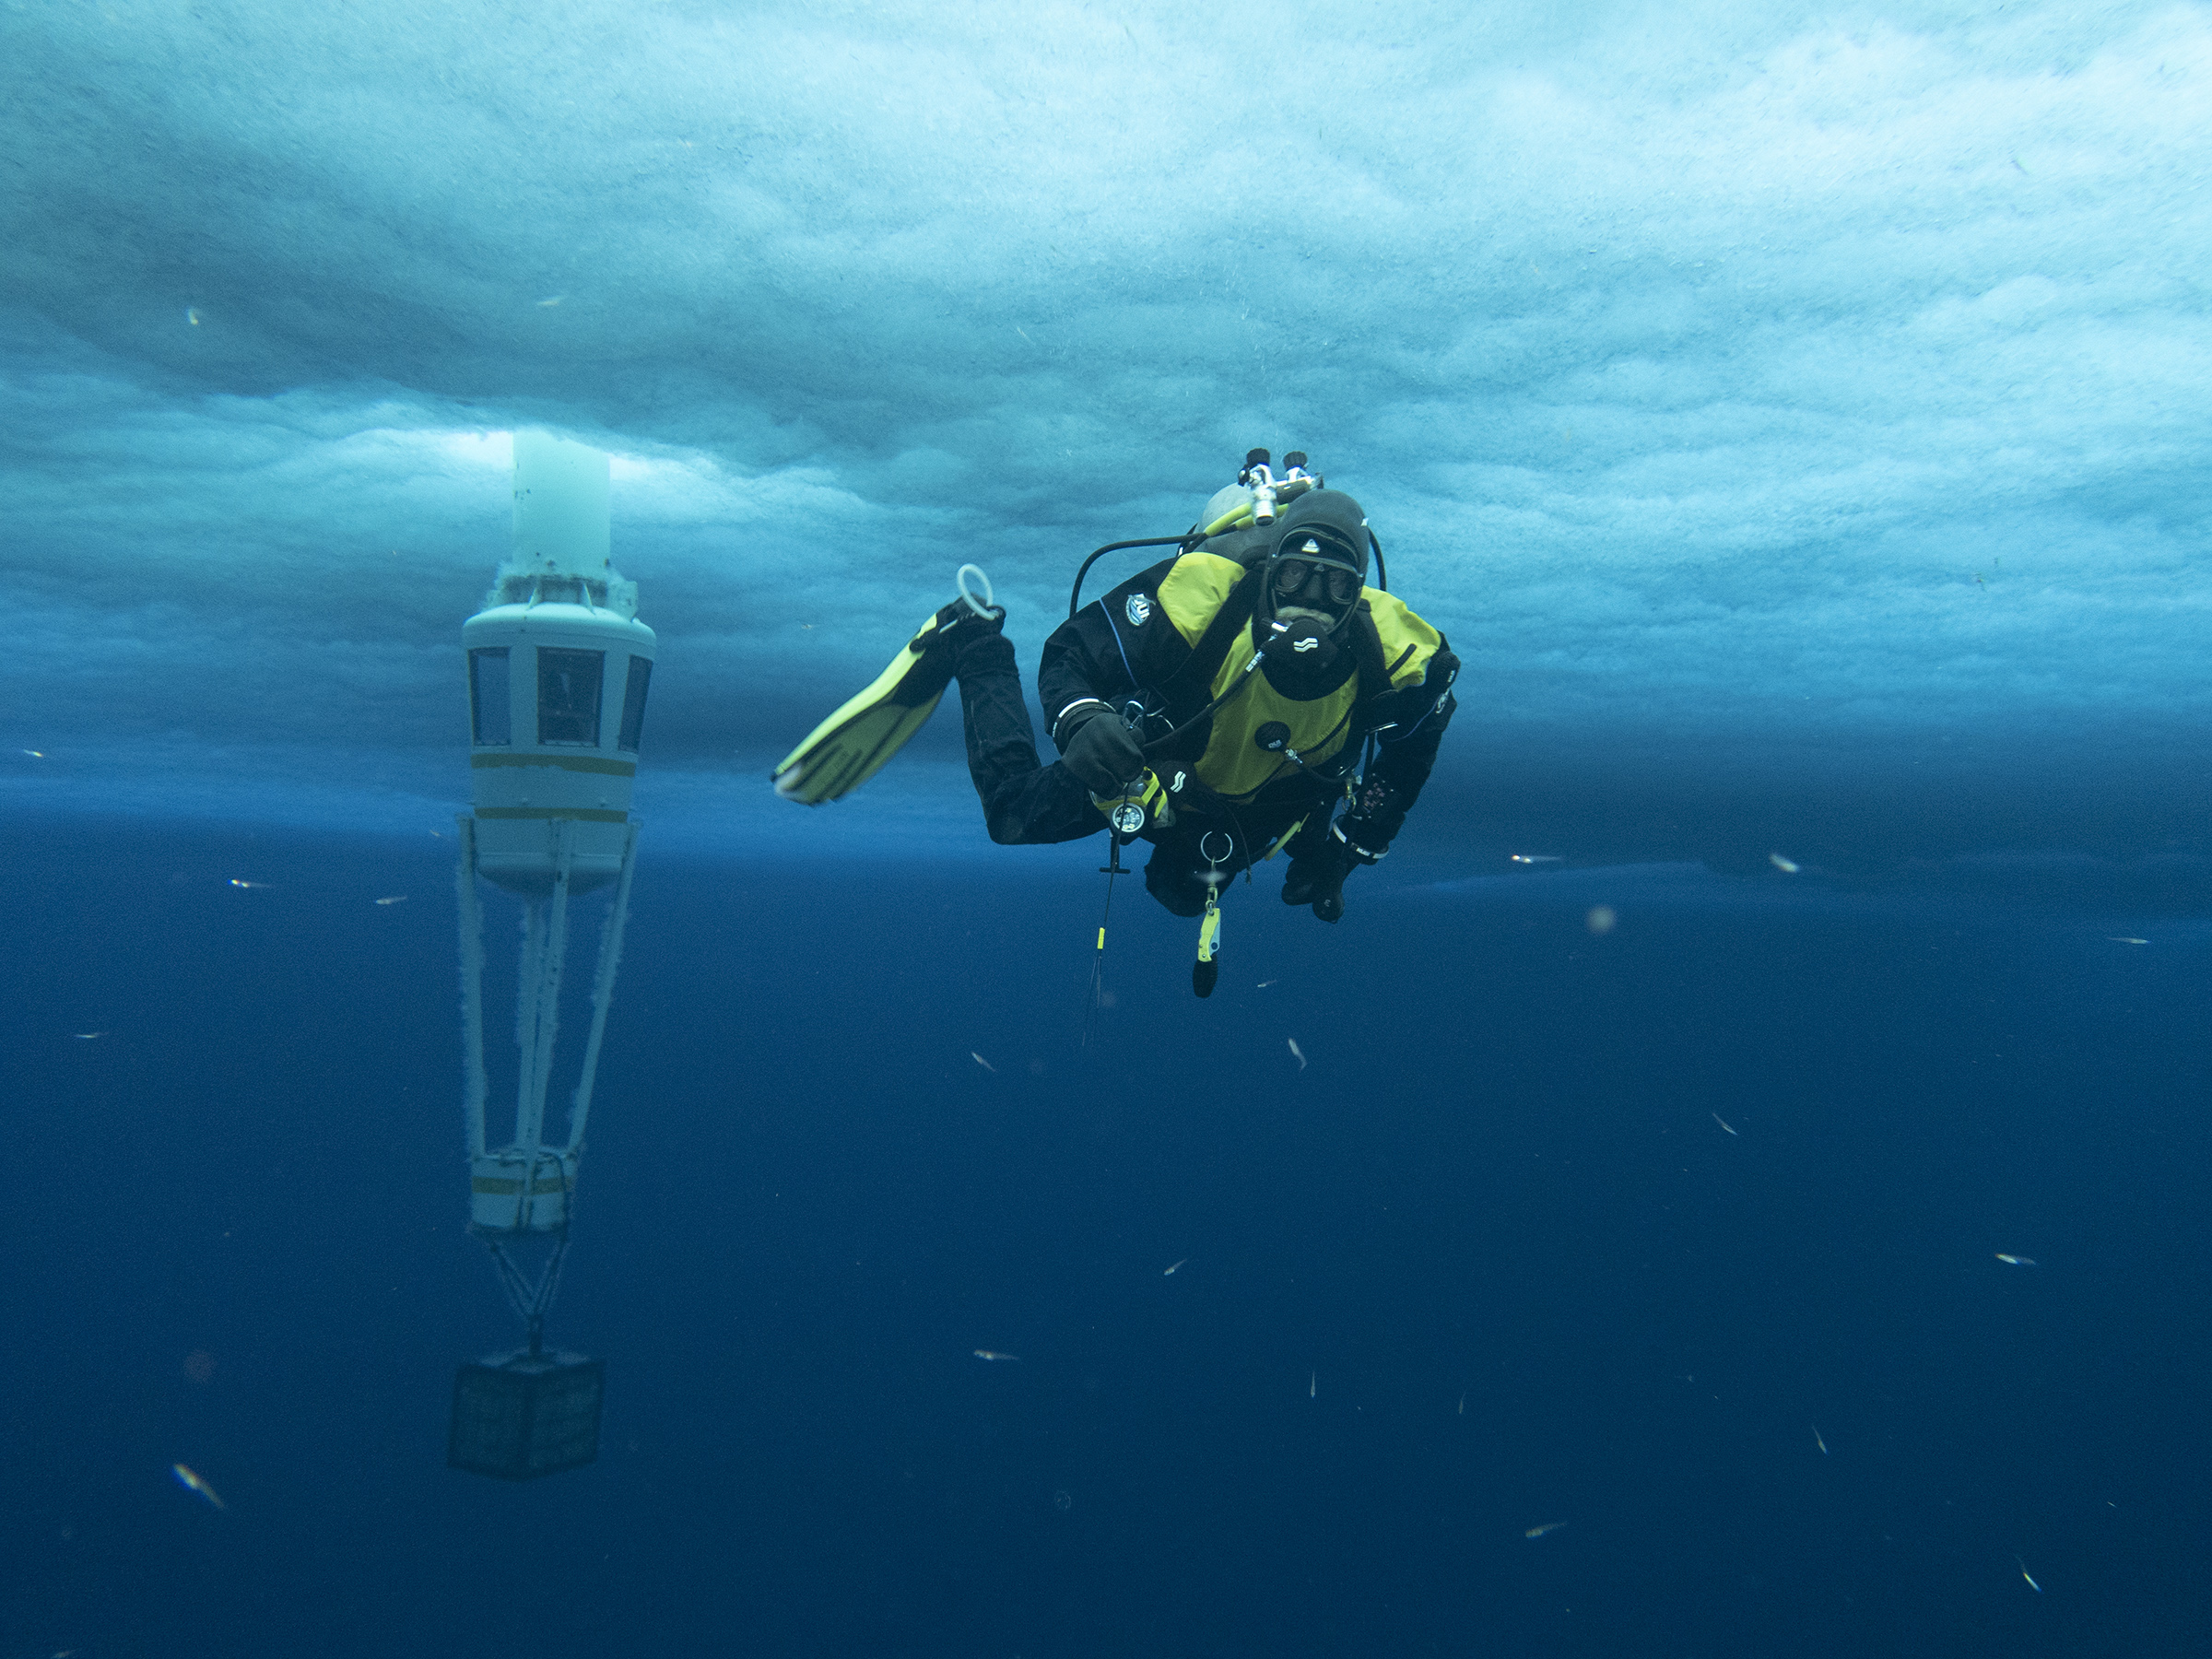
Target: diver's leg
{"points": [[1023, 802], [1176, 873], [1001, 745], [1313, 836], [1319, 864], [1175, 876]]}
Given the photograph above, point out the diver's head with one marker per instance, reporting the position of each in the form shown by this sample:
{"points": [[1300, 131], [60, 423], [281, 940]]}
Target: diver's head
{"points": [[1315, 568]]}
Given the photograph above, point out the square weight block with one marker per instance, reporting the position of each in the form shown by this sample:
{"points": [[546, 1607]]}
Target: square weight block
{"points": [[518, 1416]]}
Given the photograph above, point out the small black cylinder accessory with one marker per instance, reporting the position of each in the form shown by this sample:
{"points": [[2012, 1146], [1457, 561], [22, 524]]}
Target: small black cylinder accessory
{"points": [[1204, 974]]}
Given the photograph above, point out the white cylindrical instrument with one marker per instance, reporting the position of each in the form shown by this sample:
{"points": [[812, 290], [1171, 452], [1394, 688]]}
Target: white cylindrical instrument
{"points": [[558, 666]]}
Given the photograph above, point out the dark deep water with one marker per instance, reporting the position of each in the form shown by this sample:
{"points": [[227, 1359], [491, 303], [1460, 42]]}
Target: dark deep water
{"points": [[1499, 1179]]}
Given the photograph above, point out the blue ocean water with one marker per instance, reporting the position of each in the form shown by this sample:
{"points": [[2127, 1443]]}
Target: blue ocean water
{"points": [[1797, 417], [1485, 1260]]}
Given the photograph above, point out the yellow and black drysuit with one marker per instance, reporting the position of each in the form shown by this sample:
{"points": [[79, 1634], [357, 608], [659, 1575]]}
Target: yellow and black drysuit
{"points": [[1251, 759]]}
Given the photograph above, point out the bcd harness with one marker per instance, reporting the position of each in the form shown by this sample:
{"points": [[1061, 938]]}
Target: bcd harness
{"points": [[1229, 738]]}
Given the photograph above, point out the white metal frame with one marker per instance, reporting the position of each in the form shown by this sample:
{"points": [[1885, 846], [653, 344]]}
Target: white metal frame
{"points": [[536, 1027]]}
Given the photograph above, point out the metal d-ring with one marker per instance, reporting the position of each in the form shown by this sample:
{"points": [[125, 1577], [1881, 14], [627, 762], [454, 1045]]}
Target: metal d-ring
{"points": [[1215, 861]]}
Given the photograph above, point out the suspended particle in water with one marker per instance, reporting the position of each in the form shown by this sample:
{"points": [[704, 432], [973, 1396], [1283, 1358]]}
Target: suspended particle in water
{"points": [[1062, 1501], [192, 1482], [1601, 919]]}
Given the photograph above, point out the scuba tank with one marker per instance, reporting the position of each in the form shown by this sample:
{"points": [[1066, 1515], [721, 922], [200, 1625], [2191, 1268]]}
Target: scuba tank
{"points": [[1250, 504]]}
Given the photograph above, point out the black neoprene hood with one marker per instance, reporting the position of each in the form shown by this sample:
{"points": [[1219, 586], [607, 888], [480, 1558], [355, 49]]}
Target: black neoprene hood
{"points": [[1330, 517], [1334, 519]]}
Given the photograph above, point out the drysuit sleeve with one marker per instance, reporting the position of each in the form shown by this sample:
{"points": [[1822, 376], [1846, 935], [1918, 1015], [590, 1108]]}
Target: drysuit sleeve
{"points": [[1405, 754], [1111, 650]]}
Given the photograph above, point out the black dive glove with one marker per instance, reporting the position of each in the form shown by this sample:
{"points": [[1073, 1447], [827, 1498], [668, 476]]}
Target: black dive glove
{"points": [[1101, 750], [1318, 878]]}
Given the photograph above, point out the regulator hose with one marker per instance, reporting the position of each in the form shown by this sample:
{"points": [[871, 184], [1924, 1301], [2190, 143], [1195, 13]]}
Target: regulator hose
{"points": [[1074, 596]]}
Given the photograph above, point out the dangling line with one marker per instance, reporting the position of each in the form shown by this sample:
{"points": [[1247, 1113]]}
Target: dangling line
{"points": [[1098, 960], [530, 1302]]}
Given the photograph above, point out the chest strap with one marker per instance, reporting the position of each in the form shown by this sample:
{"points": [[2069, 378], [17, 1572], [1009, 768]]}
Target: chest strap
{"points": [[1191, 687], [1374, 673]]}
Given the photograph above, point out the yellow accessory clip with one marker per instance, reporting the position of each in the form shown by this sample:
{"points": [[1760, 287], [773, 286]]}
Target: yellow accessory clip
{"points": [[1207, 968]]}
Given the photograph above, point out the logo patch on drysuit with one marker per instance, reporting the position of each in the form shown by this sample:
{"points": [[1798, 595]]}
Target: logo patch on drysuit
{"points": [[1139, 610], [1310, 643]]}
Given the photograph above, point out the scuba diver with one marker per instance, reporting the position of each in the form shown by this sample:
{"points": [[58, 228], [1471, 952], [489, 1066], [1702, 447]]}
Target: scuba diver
{"points": [[1218, 704]]}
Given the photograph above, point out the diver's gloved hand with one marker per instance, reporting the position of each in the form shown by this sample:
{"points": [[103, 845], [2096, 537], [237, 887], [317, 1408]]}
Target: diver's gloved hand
{"points": [[1318, 880], [1102, 751]]}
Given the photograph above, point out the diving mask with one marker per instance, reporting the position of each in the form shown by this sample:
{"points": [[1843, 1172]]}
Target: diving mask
{"points": [[1310, 581]]}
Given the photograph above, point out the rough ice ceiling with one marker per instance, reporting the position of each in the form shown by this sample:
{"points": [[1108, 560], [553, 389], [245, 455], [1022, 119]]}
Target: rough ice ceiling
{"points": [[1724, 379]]}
